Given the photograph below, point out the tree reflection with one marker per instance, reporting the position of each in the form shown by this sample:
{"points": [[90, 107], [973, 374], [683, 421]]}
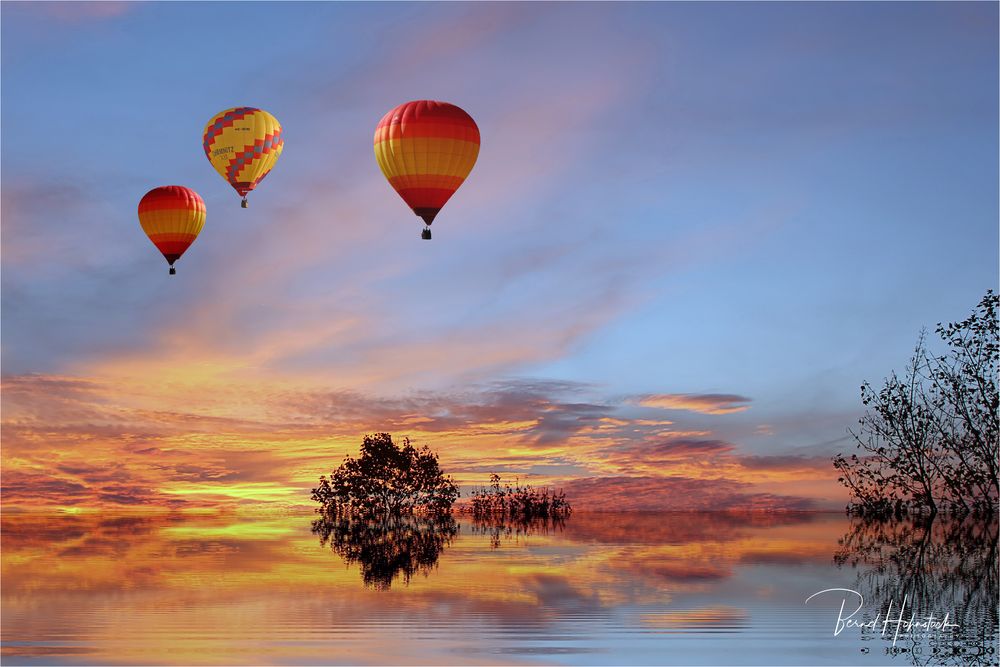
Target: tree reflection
{"points": [[501, 529], [387, 547], [941, 565]]}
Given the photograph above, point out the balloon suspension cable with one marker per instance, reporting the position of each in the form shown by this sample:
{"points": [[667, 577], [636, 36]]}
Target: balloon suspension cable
{"points": [[426, 234], [243, 204], [173, 271]]}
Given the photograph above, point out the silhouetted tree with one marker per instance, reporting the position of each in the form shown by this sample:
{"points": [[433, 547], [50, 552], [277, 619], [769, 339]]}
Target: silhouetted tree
{"points": [[387, 546], [386, 480], [929, 438]]}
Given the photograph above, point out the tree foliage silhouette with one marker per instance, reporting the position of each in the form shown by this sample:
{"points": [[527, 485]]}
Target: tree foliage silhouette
{"points": [[929, 438], [387, 479]]}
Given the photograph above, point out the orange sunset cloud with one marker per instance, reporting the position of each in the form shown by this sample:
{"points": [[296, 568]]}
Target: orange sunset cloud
{"points": [[125, 442], [709, 404]]}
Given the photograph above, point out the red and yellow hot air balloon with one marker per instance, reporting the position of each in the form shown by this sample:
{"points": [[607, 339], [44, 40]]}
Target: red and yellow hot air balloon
{"points": [[243, 144], [172, 216], [426, 150]]}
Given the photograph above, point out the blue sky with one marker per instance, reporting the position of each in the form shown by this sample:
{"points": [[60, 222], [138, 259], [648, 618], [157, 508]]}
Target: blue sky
{"points": [[762, 200]]}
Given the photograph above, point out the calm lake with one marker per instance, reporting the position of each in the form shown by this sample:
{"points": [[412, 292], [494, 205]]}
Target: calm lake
{"points": [[599, 589]]}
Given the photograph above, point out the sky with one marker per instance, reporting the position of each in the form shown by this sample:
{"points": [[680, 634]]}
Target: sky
{"points": [[693, 231]]}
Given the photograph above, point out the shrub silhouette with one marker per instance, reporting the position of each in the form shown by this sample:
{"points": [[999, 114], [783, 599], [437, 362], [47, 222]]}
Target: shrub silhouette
{"points": [[517, 503]]}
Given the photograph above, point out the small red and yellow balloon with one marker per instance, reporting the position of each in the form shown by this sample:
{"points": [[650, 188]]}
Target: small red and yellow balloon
{"points": [[243, 144], [172, 217], [426, 150]]}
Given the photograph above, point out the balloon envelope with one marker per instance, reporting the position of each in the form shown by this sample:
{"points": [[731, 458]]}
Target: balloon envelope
{"points": [[426, 149], [172, 217], [243, 144]]}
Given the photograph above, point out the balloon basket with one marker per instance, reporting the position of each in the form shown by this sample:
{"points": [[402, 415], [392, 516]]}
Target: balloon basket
{"points": [[243, 204], [173, 271], [426, 234]]}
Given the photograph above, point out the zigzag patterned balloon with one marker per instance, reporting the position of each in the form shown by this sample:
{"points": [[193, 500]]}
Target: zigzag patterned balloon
{"points": [[243, 144]]}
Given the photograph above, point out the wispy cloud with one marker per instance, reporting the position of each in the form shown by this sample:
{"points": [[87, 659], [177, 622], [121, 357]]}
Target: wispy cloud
{"points": [[709, 404], [75, 12], [335, 289]]}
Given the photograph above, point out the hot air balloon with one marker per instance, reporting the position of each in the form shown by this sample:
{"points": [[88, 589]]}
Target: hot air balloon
{"points": [[172, 216], [243, 143], [426, 150]]}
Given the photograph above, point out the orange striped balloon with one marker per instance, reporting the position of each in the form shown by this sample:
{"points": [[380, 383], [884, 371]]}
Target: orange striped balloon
{"points": [[426, 150], [172, 217]]}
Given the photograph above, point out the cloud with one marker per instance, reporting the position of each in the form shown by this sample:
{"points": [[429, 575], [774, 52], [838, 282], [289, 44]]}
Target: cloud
{"points": [[709, 404], [672, 449], [76, 12], [675, 494], [789, 462], [113, 441], [676, 453], [26, 242], [259, 300], [27, 488]]}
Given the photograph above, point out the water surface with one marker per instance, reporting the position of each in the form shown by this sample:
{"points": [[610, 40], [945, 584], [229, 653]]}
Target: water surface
{"points": [[599, 589]]}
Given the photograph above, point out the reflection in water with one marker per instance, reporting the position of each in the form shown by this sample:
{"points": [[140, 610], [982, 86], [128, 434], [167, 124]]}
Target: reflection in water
{"points": [[387, 546], [501, 529], [940, 566], [624, 588]]}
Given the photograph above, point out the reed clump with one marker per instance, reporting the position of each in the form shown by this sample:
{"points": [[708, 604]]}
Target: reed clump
{"points": [[500, 500]]}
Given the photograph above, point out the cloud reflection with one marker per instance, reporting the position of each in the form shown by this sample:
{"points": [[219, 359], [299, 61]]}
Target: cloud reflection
{"points": [[263, 588]]}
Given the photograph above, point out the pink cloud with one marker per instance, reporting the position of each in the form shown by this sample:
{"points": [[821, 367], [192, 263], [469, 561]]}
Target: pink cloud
{"points": [[709, 404]]}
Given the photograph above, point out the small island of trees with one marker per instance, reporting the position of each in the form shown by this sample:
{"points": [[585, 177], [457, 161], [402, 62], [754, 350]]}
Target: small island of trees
{"points": [[392, 480], [390, 510]]}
